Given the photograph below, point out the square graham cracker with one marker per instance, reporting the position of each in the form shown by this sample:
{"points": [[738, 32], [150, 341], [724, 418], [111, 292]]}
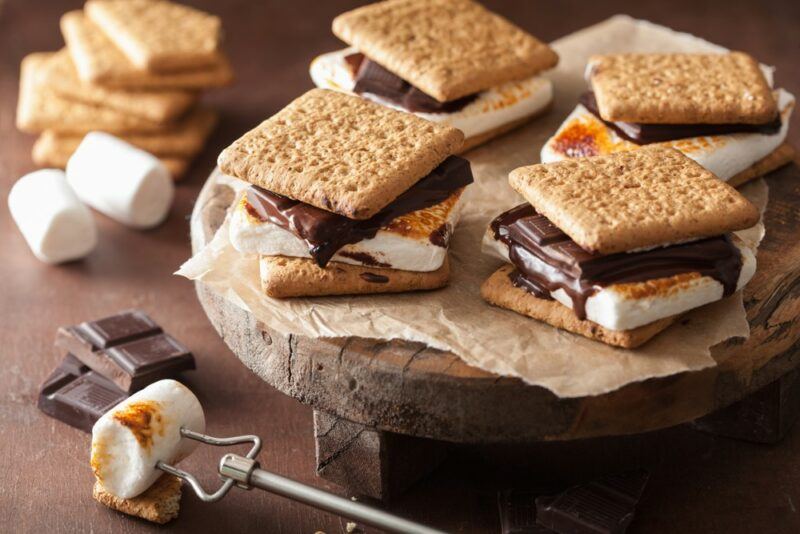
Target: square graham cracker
{"points": [[158, 35], [445, 48], [635, 199], [682, 89], [98, 61], [284, 277], [159, 504], [60, 75], [500, 291], [340, 152]]}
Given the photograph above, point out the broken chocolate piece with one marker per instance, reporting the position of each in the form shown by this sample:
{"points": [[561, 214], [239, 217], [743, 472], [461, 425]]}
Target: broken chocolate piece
{"points": [[518, 512], [129, 349], [78, 396]]}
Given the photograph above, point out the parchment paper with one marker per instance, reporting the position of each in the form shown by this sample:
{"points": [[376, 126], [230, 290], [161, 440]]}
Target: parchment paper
{"points": [[456, 319]]}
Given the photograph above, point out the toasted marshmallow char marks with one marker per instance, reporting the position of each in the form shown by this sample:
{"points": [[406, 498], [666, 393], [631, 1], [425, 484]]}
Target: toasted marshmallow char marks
{"points": [[629, 305], [491, 109], [583, 134], [131, 438]]}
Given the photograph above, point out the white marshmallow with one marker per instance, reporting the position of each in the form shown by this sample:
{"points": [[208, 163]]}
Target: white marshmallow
{"points": [[56, 225], [404, 244], [120, 180], [491, 109], [619, 308], [131, 438], [724, 155]]}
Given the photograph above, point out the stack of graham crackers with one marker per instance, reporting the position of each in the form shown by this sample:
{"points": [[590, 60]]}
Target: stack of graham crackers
{"points": [[131, 68]]}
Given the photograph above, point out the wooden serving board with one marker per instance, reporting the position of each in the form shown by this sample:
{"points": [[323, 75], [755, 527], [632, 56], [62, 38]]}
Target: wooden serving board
{"points": [[407, 388]]}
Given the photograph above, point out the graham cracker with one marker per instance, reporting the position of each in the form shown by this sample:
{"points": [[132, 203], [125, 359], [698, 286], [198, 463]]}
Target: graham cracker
{"points": [[48, 153], [446, 48], [776, 159], [500, 291], [160, 504], [635, 199], [340, 152], [185, 140], [157, 35], [39, 108], [682, 89], [59, 74], [98, 61], [284, 277]]}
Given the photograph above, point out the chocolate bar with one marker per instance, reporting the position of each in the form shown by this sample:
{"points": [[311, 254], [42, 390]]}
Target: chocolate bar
{"points": [[518, 512], [643, 134], [78, 396], [129, 349], [605, 506], [532, 239], [326, 232]]}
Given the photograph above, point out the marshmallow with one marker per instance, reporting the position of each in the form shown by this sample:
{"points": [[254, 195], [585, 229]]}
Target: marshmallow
{"points": [[120, 180], [131, 438], [491, 109], [583, 134], [404, 244], [621, 308], [56, 225]]}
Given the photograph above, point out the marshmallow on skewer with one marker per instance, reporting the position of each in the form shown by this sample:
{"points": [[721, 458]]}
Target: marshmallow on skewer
{"points": [[56, 225], [131, 438], [120, 180]]}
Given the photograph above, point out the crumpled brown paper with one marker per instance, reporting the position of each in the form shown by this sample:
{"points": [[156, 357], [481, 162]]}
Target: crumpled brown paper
{"points": [[456, 319]]}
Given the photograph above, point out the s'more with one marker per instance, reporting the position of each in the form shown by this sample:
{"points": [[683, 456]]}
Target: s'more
{"points": [[615, 247], [448, 61], [719, 109], [347, 196]]}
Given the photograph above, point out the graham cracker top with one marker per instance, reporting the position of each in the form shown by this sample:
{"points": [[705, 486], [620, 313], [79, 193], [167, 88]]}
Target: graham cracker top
{"points": [[682, 89], [632, 200], [446, 48], [340, 152]]}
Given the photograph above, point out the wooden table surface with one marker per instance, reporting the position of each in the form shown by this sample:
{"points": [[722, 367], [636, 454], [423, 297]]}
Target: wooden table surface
{"points": [[699, 483]]}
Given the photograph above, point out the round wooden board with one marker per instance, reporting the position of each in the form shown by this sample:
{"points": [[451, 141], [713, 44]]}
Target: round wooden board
{"points": [[408, 388]]}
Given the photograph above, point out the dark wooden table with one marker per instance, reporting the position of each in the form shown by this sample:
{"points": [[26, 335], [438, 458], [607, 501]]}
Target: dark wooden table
{"points": [[699, 483]]}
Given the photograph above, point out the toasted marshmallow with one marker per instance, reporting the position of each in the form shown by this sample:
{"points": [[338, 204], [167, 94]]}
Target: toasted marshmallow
{"points": [[630, 305], [583, 134], [492, 108], [131, 438], [54, 223], [406, 243], [120, 180]]}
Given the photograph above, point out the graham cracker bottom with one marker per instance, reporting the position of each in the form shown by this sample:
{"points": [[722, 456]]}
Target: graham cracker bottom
{"points": [[499, 290], [776, 159], [159, 504], [284, 277], [475, 140]]}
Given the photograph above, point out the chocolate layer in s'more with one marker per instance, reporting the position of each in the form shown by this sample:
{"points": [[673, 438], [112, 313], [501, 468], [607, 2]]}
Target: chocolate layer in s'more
{"points": [[615, 247], [718, 109], [346, 197], [449, 61]]}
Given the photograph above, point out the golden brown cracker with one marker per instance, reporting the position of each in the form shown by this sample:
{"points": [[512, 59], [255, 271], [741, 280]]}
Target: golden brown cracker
{"points": [[159, 504]]}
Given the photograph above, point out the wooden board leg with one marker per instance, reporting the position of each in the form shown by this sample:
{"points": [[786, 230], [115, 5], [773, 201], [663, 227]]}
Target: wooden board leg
{"points": [[371, 462], [763, 417]]}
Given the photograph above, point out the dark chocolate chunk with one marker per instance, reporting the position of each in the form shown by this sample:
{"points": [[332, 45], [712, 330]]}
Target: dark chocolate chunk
{"points": [[78, 396], [605, 506], [129, 349], [765, 416], [325, 232], [374, 79], [518, 512], [643, 134], [533, 240]]}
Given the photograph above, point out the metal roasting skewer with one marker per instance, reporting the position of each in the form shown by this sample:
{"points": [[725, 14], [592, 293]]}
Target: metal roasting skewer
{"points": [[245, 472]]}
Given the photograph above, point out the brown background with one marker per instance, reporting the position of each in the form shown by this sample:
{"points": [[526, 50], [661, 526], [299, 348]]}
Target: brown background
{"points": [[699, 483]]}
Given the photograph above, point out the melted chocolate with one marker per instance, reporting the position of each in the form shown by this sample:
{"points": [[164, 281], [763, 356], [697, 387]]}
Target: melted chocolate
{"points": [[441, 236], [374, 79], [643, 134], [326, 232], [546, 259], [375, 278]]}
